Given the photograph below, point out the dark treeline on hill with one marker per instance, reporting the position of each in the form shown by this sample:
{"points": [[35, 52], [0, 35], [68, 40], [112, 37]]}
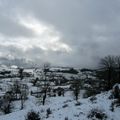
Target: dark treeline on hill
{"points": [[86, 69], [71, 70], [5, 72], [9, 74]]}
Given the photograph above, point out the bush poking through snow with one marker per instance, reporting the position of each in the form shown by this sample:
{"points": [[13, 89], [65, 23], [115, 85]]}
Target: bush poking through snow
{"points": [[6, 105], [48, 112], [33, 116], [112, 107], [59, 93], [77, 104], [115, 103], [93, 99], [6, 109], [66, 105], [66, 118], [35, 81], [89, 93], [96, 114], [116, 92], [76, 85]]}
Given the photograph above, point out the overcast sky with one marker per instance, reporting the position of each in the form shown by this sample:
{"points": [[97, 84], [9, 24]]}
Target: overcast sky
{"points": [[62, 32]]}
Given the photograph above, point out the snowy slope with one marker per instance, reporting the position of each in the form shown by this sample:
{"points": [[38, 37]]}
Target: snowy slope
{"points": [[62, 107]]}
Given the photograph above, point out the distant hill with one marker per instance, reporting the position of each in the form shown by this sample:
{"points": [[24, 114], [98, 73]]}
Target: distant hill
{"points": [[16, 61]]}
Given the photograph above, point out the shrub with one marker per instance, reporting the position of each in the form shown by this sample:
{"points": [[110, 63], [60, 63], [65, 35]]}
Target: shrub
{"points": [[112, 107], [97, 114], [93, 99], [78, 104], [115, 103], [116, 92], [66, 105], [59, 93], [6, 104], [48, 112], [33, 116], [66, 118], [90, 93], [6, 109]]}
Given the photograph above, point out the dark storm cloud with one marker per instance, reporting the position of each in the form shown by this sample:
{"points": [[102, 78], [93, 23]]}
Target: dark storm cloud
{"points": [[89, 29]]}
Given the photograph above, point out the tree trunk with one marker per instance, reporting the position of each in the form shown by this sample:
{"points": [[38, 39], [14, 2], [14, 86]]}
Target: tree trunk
{"points": [[109, 79]]}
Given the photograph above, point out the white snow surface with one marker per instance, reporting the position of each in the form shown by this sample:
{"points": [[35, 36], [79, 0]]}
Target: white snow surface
{"points": [[62, 107]]}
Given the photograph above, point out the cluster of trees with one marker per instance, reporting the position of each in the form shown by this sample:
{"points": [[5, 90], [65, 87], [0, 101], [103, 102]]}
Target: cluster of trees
{"points": [[107, 75], [17, 91], [70, 70], [110, 70], [6, 103]]}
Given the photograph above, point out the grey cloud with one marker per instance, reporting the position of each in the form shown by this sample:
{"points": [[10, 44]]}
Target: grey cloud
{"points": [[10, 28], [90, 27]]}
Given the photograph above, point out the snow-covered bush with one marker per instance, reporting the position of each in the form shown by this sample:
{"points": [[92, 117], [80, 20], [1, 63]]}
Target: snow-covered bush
{"points": [[112, 107], [115, 94], [97, 114], [66, 105], [116, 91], [6, 104], [6, 109], [89, 93], [48, 112], [77, 104], [33, 116], [59, 93], [34, 81], [93, 99], [66, 118]]}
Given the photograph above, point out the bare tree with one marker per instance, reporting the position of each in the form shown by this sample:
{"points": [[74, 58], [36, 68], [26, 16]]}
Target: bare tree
{"points": [[24, 94], [21, 73], [76, 85], [46, 68], [107, 64], [16, 89]]}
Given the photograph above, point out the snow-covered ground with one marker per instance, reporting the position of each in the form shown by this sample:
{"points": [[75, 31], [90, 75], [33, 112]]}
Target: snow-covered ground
{"points": [[63, 107]]}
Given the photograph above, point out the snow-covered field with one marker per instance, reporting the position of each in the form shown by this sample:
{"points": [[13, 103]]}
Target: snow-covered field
{"points": [[61, 107]]}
